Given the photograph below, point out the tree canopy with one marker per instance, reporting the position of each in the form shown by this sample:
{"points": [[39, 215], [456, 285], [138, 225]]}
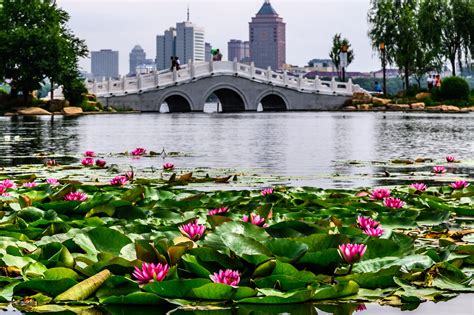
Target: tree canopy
{"points": [[37, 44], [337, 43]]}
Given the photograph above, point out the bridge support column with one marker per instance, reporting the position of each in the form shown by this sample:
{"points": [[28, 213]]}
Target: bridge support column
{"points": [[124, 83], [156, 78], [269, 74], [285, 77], [94, 86], [192, 69], [175, 75], [300, 81], [349, 86], [317, 83], [235, 66], [109, 82], [211, 66], [252, 70], [139, 81], [333, 84]]}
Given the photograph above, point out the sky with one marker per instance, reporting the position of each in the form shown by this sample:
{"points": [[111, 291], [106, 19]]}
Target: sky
{"points": [[310, 25]]}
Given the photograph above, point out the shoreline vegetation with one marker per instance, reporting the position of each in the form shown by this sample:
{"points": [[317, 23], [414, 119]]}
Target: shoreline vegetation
{"points": [[89, 233]]}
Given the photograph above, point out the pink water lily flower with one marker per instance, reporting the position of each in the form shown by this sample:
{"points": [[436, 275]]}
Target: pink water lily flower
{"points": [[100, 163], [76, 196], [130, 175], [450, 158], [365, 222], [361, 307], [439, 169], [394, 203], [255, 219], [419, 186], [30, 184], [87, 161], [52, 181], [352, 253], [218, 211], [8, 183], [379, 193], [228, 276], [373, 231], [89, 153], [266, 191], [168, 166], [2, 189], [193, 231], [150, 272], [51, 162], [138, 151], [119, 180], [460, 184]]}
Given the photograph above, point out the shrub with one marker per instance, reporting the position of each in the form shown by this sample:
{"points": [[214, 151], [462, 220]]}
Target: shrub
{"points": [[454, 88], [74, 91]]}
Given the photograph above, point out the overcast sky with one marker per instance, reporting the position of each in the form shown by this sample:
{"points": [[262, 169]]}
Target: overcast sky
{"points": [[310, 25]]}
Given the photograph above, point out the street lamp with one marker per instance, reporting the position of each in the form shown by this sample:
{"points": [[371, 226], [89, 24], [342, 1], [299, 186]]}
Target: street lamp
{"points": [[343, 59], [382, 50]]}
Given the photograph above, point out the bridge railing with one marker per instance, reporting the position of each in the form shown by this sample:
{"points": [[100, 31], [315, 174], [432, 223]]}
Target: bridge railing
{"points": [[196, 70]]}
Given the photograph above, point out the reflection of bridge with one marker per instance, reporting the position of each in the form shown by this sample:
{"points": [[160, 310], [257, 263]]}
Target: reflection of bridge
{"points": [[238, 86]]}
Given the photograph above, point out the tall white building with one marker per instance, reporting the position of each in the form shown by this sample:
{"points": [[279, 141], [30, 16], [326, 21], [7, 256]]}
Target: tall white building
{"points": [[186, 41]]}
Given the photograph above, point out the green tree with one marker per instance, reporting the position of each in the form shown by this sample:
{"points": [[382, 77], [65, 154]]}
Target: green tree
{"points": [[395, 24], [337, 43], [447, 28], [36, 44]]}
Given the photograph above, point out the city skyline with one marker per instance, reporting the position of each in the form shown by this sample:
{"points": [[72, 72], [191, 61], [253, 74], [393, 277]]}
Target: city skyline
{"points": [[130, 23]]}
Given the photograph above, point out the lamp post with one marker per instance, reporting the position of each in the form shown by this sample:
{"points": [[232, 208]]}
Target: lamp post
{"points": [[343, 59], [382, 50]]}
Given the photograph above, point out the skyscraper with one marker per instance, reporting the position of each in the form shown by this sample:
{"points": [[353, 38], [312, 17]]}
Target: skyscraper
{"points": [[238, 49], [189, 42], [105, 63], [165, 48], [267, 38], [137, 57], [186, 41], [207, 51]]}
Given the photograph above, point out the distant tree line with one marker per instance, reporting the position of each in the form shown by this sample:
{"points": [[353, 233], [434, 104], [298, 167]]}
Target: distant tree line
{"points": [[421, 35], [35, 44]]}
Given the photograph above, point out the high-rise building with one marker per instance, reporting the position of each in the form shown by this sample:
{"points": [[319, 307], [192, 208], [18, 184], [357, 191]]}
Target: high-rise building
{"points": [[137, 57], [165, 48], [238, 49], [189, 42], [105, 63], [267, 38], [207, 51], [186, 41]]}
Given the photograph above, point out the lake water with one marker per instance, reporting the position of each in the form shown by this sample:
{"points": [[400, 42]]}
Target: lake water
{"points": [[325, 149], [322, 149]]}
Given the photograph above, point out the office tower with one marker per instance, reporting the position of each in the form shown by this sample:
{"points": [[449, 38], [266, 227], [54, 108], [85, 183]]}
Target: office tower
{"points": [[137, 57], [105, 63], [267, 38]]}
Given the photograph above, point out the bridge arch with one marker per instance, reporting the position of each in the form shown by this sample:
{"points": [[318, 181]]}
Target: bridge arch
{"points": [[231, 98], [177, 101], [273, 101]]}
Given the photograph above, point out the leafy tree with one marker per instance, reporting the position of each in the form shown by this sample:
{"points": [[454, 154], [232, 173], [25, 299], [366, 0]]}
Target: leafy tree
{"points": [[36, 44], [337, 43], [395, 24], [447, 27]]}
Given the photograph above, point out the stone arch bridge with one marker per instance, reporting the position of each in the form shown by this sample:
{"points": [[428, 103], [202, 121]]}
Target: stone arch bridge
{"points": [[239, 87]]}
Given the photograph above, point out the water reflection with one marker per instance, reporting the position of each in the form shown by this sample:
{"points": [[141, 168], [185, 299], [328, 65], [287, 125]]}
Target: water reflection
{"points": [[315, 147]]}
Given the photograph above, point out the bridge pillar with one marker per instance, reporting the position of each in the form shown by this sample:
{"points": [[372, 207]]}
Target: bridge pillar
{"points": [[235, 66], [252, 70], [109, 82], [211, 66], [94, 86], [192, 69], [317, 82], [156, 78], [285, 77], [269, 74], [175, 75], [124, 83], [349, 85], [333, 84], [300, 81], [139, 81]]}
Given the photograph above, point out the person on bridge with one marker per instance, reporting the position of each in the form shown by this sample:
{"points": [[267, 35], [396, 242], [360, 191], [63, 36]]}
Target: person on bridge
{"points": [[217, 55], [178, 63], [173, 63], [378, 87]]}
